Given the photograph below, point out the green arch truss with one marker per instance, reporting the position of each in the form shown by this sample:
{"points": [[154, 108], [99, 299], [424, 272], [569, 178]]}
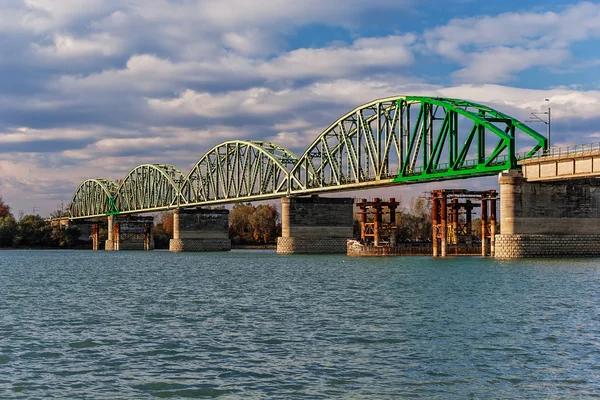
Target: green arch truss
{"points": [[390, 141], [150, 187], [411, 139], [240, 170], [456, 138], [93, 198]]}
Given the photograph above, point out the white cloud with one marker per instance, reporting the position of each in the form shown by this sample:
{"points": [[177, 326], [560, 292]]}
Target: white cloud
{"points": [[252, 42], [256, 101], [298, 123], [155, 142], [25, 134], [339, 61], [146, 73], [494, 48], [68, 47], [292, 140], [262, 101], [233, 13], [501, 64], [48, 15]]}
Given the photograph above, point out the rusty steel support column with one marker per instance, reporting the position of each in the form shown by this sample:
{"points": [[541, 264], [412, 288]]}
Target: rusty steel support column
{"points": [[469, 222], [147, 237], [492, 226], [455, 208], [95, 237], [484, 216], [444, 223], [376, 220], [117, 236], [363, 219], [392, 205], [435, 221]]}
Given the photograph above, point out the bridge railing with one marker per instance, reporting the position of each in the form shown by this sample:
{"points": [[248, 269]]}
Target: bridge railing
{"points": [[567, 150]]}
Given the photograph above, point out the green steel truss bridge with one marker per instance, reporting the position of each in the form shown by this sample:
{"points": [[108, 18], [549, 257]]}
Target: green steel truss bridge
{"points": [[392, 141]]}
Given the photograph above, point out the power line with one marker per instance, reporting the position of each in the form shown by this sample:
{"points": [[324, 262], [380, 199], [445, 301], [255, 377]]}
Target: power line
{"points": [[578, 113]]}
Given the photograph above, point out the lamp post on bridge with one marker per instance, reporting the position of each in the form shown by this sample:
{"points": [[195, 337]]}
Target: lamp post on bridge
{"points": [[547, 121]]}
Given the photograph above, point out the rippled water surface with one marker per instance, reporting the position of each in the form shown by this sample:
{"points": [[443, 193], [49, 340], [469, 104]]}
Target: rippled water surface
{"points": [[254, 325]]}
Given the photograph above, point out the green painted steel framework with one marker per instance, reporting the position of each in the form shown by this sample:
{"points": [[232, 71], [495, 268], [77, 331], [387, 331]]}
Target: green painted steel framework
{"points": [[392, 141]]}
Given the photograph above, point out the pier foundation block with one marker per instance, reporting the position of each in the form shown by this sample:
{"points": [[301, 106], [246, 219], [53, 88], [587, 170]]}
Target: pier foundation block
{"points": [[200, 230], [548, 219], [315, 225], [132, 233]]}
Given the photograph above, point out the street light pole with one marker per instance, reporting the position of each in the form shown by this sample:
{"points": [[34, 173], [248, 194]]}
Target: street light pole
{"points": [[547, 121]]}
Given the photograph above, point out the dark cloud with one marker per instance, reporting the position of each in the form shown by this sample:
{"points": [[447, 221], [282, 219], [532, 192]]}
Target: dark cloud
{"points": [[45, 146]]}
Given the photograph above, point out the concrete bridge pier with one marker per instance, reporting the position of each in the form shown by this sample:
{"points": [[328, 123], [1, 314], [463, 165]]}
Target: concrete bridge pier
{"points": [[200, 230], [444, 225], [110, 229], [133, 233], [548, 218], [315, 225], [488, 225], [95, 237], [439, 223]]}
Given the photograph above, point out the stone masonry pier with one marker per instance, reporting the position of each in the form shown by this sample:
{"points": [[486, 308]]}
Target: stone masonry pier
{"points": [[127, 233], [200, 230], [315, 225], [548, 219]]}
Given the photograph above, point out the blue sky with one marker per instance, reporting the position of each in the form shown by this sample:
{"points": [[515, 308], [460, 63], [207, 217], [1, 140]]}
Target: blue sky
{"points": [[94, 88]]}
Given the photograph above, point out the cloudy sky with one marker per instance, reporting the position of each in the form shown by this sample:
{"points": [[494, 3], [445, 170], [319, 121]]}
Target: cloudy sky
{"points": [[93, 88]]}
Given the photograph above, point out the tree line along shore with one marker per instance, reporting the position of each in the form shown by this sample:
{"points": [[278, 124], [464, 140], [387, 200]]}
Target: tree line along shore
{"points": [[249, 226]]}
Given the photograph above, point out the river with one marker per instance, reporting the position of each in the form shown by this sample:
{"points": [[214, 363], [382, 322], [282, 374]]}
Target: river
{"points": [[254, 325]]}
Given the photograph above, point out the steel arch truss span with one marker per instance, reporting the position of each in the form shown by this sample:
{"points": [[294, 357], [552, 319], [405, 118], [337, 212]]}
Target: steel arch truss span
{"points": [[396, 140], [361, 148], [409, 139], [93, 198], [150, 187], [453, 138], [240, 170]]}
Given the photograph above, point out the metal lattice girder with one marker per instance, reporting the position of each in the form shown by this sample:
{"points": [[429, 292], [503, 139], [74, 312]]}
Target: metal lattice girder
{"points": [[376, 144], [361, 148], [240, 170], [150, 187], [435, 133], [93, 198]]}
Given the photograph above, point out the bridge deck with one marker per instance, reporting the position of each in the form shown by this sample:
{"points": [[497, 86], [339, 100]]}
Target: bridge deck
{"points": [[560, 165]]}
